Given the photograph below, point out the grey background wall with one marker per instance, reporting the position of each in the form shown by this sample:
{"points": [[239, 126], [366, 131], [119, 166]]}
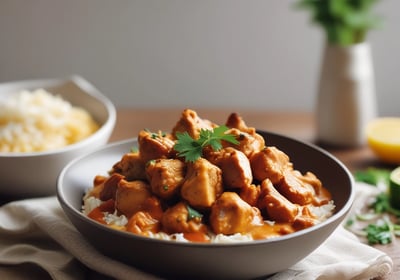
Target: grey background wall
{"points": [[261, 54]]}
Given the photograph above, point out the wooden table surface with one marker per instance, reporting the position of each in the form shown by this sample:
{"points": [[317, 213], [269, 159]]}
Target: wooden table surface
{"points": [[298, 125]]}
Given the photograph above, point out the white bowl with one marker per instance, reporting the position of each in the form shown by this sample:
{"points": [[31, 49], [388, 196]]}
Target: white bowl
{"points": [[178, 260], [35, 174]]}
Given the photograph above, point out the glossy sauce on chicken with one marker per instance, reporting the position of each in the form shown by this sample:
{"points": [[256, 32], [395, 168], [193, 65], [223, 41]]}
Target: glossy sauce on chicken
{"points": [[247, 188]]}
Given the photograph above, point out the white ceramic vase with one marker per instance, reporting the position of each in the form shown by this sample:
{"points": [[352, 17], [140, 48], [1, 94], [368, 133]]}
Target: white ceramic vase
{"points": [[346, 99]]}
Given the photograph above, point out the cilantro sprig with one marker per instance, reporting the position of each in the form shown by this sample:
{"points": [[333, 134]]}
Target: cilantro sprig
{"points": [[381, 232], [193, 214], [192, 149]]}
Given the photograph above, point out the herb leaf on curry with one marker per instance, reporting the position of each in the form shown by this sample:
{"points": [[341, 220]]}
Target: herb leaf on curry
{"points": [[193, 214], [192, 149]]}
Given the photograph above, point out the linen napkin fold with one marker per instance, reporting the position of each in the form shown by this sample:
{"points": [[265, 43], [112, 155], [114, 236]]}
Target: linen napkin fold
{"points": [[35, 234]]}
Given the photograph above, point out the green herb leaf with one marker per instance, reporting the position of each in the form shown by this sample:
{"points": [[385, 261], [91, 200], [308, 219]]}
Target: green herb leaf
{"points": [[378, 234], [192, 149], [382, 205], [187, 147], [159, 134], [349, 222], [193, 214], [373, 176]]}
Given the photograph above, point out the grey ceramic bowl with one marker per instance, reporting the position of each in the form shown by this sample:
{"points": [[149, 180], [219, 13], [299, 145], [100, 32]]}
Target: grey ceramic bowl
{"points": [[207, 261], [35, 174]]}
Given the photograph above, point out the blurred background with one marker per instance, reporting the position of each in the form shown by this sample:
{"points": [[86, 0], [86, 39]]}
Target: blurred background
{"points": [[186, 53]]}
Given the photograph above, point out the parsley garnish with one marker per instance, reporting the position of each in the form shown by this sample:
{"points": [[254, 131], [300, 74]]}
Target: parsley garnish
{"points": [[155, 135], [379, 233], [192, 149], [193, 214]]}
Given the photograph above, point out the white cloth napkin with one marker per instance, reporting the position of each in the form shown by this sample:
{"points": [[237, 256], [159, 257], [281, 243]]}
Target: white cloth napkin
{"points": [[36, 238]]}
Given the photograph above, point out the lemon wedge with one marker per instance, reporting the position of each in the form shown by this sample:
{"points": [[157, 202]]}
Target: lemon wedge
{"points": [[394, 188], [383, 137]]}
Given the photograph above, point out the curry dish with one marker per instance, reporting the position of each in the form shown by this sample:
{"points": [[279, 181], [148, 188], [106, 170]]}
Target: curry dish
{"points": [[246, 190]]}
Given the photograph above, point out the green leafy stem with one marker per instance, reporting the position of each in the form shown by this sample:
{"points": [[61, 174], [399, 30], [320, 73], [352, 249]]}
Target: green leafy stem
{"points": [[192, 149]]}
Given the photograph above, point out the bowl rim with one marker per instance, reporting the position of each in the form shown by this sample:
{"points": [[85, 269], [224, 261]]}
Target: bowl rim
{"points": [[90, 90], [336, 216]]}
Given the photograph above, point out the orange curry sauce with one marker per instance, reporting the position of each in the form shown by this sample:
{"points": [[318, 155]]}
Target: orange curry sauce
{"points": [[257, 232]]}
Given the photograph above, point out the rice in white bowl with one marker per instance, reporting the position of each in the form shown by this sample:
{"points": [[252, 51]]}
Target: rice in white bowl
{"points": [[34, 121]]}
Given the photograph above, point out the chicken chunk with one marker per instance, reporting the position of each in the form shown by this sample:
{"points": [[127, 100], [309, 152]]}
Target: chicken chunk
{"points": [[277, 207], [131, 196], [250, 194], [177, 219], [165, 176], [235, 167], [98, 186], [305, 219], [310, 186], [230, 214], [142, 223], [311, 179], [236, 121], [131, 166], [203, 183], [192, 124], [294, 188], [110, 186], [322, 195], [249, 144], [155, 145], [270, 163]]}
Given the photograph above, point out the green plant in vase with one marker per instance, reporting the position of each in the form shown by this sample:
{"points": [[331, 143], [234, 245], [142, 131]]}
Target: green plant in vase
{"points": [[345, 22], [346, 94]]}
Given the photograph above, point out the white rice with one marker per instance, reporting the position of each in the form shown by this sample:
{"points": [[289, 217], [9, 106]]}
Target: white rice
{"points": [[89, 204], [38, 121], [114, 219]]}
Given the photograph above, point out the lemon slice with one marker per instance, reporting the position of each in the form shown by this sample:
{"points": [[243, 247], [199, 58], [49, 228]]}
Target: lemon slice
{"points": [[394, 188], [383, 137]]}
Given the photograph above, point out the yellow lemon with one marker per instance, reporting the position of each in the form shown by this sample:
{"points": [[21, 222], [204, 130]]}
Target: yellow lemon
{"points": [[383, 136], [394, 188]]}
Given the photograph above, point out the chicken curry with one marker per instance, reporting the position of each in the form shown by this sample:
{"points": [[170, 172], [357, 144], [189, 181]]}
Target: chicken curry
{"points": [[242, 187]]}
